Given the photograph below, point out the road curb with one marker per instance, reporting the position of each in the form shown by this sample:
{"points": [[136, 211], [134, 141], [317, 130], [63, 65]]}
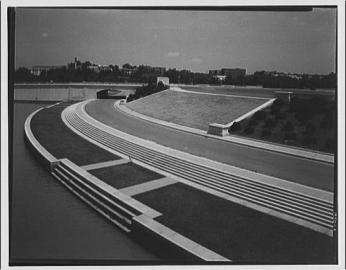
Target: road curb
{"points": [[293, 151]]}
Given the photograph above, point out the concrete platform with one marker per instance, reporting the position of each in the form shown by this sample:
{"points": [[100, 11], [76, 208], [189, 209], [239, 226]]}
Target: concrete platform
{"points": [[148, 186], [105, 164], [98, 194], [257, 178], [294, 151]]}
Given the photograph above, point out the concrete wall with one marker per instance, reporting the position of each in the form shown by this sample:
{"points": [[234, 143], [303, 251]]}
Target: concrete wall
{"points": [[53, 94]]}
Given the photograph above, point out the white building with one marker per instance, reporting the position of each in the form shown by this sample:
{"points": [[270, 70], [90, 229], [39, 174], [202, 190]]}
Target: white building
{"points": [[164, 80]]}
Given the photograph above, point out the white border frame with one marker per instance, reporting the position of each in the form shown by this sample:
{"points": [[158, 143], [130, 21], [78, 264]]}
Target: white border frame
{"points": [[341, 114]]}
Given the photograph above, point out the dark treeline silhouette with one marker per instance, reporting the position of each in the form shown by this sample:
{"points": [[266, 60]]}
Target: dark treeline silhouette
{"points": [[141, 74], [270, 80], [146, 90], [306, 122]]}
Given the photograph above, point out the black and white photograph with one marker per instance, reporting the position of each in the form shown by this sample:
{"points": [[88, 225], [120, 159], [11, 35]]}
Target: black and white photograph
{"points": [[173, 135]]}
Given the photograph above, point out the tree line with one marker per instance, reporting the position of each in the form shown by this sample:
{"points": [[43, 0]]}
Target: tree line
{"points": [[140, 75]]}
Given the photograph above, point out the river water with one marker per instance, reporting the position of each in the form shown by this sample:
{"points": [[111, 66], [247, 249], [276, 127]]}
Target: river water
{"points": [[71, 92], [51, 224]]}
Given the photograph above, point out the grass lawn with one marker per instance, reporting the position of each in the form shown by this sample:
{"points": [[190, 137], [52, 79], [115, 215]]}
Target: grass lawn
{"points": [[125, 175], [237, 232], [194, 110], [61, 142]]}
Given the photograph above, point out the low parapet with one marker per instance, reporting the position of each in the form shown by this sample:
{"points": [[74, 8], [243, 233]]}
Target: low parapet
{"points": [[222, 129], [110, 94], [47, 158], [164, 80], [218, 129]]}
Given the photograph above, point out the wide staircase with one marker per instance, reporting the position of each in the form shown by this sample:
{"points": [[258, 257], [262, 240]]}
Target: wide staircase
{"points": [[302, 207], [93, 193]]}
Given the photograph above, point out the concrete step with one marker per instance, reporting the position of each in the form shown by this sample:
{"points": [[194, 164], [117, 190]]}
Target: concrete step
{"points": [[120, 206], [252, 181], [190, 174], [68, 184], [113, 210], [306, 203], [295, 204], [275, 203], [98, 135]]}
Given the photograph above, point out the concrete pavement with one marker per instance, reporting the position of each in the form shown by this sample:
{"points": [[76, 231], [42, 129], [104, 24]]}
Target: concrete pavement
{"points": [[300, 170], [294, 151], [238, 185]]}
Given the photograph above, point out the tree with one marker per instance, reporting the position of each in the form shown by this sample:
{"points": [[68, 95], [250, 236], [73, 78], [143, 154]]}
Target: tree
{"points": [[270, 123], [127, 65], [23, 75], [249, 129], [330, 145], [160, 85], [309, 129], [309, 140], [290, 136], [278, 103], [253, 122], [266, 133], [236, 126], [288, 126], [260, 115]]}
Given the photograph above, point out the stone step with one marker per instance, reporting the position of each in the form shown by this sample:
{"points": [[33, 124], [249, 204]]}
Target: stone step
{"points": [[328, 205], [123, 209], [262, 187], [68, 185], [322, 211], [117, 212], [298, 205], [189, 174]]}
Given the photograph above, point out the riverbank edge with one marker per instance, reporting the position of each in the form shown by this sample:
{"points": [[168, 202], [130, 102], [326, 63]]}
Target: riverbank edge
{"points": [[143, 228]]}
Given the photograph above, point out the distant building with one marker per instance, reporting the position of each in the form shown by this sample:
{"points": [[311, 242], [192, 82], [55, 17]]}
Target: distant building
{"points": [[94, 68], [38, 70], [128, 71], [77, 63], [221, 78], [221, 74], [234, 73], [164, 80], [215, 72], [157, 70], [105, 68], [283, 74]]}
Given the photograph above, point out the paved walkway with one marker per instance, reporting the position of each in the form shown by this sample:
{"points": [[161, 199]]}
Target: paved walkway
{"points": [[148, 186], [294, 151], [207, 162], [300, 170], [245, 175], [105, 164]]}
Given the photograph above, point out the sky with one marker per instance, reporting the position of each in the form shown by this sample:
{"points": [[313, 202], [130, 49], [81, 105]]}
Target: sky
{"points": [[296, 42]]}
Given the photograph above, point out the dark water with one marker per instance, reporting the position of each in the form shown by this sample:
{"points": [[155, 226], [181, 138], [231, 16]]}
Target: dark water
{"points": [[50, 223]]}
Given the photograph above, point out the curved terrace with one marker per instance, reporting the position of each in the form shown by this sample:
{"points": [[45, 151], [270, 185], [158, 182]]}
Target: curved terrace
{"points": [[155, 196]]}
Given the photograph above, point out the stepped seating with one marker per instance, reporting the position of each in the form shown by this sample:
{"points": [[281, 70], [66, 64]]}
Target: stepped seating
{"points": [[311, 210], [114, 209]]}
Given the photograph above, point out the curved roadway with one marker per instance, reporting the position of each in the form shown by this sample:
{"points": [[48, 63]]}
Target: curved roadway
{"points": [[308, 172]]}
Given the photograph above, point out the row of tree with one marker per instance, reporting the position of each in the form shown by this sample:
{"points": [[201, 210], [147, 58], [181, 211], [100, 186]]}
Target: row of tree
{"points": [[114, 74], [303, 122], [146, 90]]}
